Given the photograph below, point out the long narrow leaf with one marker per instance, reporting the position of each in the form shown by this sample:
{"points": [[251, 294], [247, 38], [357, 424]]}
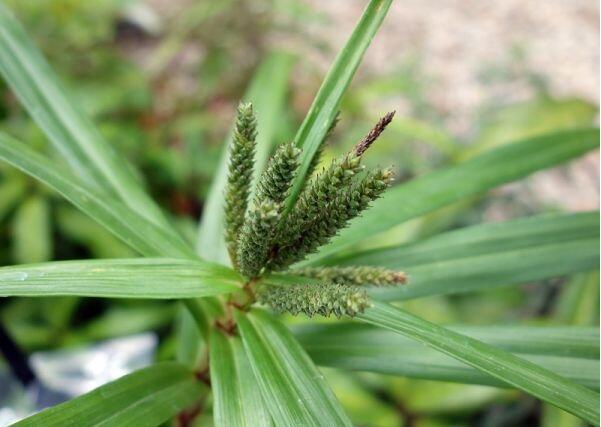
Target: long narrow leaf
{"points": [[72, 133], [119, 278], [294, 391], [326, 102], [147, 397], [483, 256], [437, 189], [142, 235], [498, 363], [236, 402], [567, 351]]}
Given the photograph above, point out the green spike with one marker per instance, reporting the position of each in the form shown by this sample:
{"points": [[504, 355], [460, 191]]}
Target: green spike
{"points": [[254, 244], [355, 275], [277, 178], [317, 229], [241, 160], [318, 299]]}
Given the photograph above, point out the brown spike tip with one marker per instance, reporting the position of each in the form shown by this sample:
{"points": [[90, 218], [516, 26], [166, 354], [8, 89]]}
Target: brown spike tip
{"points": [[373, 134]]}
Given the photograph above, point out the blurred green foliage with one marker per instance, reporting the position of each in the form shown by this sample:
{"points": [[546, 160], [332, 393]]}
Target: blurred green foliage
{"points": [[170, 114]]}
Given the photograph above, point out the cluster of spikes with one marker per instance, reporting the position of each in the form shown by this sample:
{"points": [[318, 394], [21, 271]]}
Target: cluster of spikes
{"points": [[263, 236]]}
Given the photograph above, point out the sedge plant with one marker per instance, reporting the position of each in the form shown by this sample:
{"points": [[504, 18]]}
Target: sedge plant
{"points": [[261, 239], [292, 232]]}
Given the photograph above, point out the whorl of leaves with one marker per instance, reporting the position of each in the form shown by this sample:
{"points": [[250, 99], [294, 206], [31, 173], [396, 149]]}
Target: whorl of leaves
{"points": [[354, 275], [241, 160], [317, 299]]}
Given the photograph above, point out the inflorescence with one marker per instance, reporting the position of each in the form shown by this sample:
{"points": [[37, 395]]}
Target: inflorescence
{"points": [[263, 237]]}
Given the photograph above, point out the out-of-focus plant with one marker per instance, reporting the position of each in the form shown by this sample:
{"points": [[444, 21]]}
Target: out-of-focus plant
{"points": [[230, 346]]}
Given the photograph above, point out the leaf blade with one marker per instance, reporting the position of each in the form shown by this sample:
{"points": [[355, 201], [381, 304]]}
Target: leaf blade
{"points": [[513, 370], [327, 100], [32, 231], [145, 398], [143, 235], [235, 400], [570, 352], [275, 358], [32, 79], [119, 278]]}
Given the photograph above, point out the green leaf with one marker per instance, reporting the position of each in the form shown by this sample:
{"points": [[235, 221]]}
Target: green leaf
{"points": [[483, 256], [11, 192], [326, 103], [527, 119], [293, 389], [147, 397], [187, 326], [31, 233], [142, 235], [236, 402], [567, 351], [554, 417], [498, 363], [79, 227], [120, 278], [437, 189], [273, 73], [72, 133], [120, 320], [578, 302]]}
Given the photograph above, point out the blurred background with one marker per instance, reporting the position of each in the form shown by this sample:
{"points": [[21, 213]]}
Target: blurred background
{"points": [[162, 78]]}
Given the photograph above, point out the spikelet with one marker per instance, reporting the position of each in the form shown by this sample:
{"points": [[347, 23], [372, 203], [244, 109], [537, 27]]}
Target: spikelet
{"points": [[317, 299], [321, 192], [261, 225], [355, 275], [331, 217], [240, 171], [277, 178], [253, 248]]}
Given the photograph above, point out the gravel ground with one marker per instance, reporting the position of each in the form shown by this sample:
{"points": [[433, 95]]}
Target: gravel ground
{"points": [[457, 40]]}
